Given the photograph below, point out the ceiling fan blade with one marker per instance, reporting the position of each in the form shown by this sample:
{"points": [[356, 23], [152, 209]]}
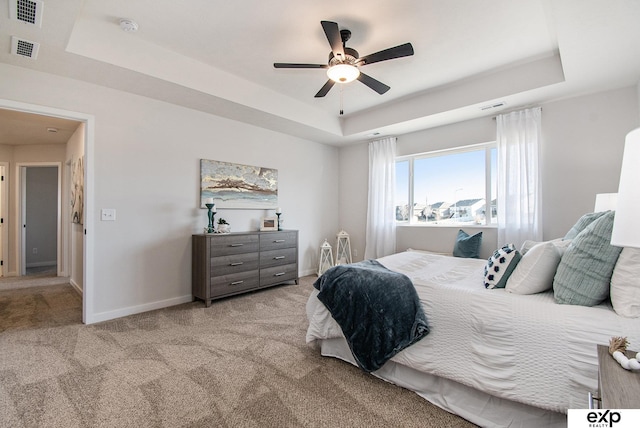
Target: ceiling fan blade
{"points": [[391, 53], [374, 84], [288, 65], [323, 91], [332, 32]]}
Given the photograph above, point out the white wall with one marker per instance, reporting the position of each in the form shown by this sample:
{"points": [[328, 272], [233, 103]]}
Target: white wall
{"points": [[146, 166], [580, 157], [582, 153]]}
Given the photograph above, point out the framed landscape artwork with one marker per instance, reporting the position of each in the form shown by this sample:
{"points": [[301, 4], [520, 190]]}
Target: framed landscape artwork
{"points": [[77, 190], [238, 186]]}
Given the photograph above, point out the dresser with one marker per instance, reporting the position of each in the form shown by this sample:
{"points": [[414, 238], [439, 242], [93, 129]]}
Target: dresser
{"points": [[233, 263], [618, 388]]}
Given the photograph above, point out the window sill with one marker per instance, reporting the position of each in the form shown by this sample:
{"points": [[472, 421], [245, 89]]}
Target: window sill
{"points": [[450, 225]]}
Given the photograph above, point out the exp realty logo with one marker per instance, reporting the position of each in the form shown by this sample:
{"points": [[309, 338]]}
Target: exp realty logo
{"points": [[604, 418]]}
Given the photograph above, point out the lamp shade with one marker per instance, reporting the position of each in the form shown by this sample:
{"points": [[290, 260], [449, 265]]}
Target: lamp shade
{"points": [[626, 230], [605, 202], [343, 73]]}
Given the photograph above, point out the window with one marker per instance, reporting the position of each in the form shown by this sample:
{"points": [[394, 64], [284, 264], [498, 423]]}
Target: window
{"points": [[448, 187]]}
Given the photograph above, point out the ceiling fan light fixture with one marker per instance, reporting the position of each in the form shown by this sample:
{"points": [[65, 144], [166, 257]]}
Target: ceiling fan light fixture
{"points": [[343, 73]]}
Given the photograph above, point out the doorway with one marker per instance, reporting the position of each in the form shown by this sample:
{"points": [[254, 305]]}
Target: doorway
{"points": [[40, 219], [83, 258]]}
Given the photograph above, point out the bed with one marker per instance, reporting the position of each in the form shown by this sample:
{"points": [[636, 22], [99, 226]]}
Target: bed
{"points": [[491, 356]]}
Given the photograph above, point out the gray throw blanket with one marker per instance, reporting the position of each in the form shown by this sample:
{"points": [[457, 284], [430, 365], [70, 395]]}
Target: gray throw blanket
{"points": [[378, 310]]}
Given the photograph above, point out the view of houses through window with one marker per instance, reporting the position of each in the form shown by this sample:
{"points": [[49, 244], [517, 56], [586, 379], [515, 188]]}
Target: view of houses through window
{"points": [[449, 187]]}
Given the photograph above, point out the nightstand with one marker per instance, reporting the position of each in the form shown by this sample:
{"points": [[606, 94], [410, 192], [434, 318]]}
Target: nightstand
{"points": [[618, 388]]}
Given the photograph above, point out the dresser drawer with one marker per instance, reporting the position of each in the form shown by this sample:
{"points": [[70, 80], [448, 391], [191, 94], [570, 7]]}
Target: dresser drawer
{"points": [[278, 274], [230, 284], [284, 256], [275, 240], [223, 245], [235, 263]]}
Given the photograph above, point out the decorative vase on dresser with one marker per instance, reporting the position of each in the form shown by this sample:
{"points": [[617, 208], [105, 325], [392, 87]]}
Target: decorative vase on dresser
{"points": [[234, 263]]}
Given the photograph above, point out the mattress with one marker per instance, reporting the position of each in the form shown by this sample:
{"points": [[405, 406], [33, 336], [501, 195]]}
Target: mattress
{"points": [[523, 348]]}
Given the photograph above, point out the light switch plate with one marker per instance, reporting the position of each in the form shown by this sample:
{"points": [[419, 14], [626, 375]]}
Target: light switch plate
{"points": [[108, 214]]}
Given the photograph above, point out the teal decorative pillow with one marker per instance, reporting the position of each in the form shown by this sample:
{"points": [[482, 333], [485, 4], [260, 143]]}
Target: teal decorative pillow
{"points": [[500, 266], [582, 223], [466, 245], [584, 274]]}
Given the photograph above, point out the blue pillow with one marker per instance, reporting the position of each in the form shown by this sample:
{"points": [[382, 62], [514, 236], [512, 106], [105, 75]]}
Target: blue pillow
{"points": [[467, 246], [582, 224], [584, 274]]}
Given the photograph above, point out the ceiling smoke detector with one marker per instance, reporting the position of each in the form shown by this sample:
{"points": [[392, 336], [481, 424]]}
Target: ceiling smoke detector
{"points": [[128, 25]]}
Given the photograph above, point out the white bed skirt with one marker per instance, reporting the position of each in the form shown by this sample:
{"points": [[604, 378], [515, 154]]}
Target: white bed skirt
{"points": [[475, 406]]}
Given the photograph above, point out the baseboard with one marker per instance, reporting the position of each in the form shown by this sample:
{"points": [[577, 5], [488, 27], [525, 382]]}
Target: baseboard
{"points": [[308, 272], [76, 286], [41, 264], [132, 310]]}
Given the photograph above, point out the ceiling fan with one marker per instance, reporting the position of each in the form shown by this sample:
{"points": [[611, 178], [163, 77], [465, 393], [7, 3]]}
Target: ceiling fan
{"points": [[344, 63]]}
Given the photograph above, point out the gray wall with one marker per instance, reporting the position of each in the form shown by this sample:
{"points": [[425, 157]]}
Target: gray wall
{"points": [[146, 156], [41, 216], [581, 156]]}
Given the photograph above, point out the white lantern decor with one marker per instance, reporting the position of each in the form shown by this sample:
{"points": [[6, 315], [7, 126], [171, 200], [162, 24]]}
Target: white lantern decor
{"points": [[343, 248], [326, 258]]}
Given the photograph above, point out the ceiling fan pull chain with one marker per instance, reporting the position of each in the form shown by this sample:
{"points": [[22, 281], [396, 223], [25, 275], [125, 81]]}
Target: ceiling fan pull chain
{"points": [[341, 102]]}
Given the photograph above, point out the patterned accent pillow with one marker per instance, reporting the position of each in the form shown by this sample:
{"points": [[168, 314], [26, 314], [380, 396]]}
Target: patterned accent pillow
{"points": [[500, 266], [584, 273]]}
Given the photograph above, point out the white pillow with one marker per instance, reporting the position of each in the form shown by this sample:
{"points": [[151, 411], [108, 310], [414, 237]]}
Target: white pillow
{"points": [[561, 245], [625, 283], [535, 272]]}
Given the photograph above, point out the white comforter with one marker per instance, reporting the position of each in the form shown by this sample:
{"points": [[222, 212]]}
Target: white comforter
{"points": [[523, 348]]}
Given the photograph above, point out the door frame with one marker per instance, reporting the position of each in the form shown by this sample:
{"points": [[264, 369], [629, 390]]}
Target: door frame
{"points": [[21, 184], [4, 210], [88, 292]]}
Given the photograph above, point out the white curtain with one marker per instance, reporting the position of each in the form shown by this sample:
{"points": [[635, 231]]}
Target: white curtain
{"points": [[519, 136], [381, 225]]}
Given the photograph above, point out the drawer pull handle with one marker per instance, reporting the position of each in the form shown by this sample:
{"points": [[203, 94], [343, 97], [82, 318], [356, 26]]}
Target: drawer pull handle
{"points": [[236, 264], [237, 282], [278, 258], [236, 245], [279, 274], [278, 241]]}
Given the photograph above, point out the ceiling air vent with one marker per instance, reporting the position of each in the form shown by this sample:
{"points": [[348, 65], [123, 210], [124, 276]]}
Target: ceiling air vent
{"points": [[492, 106], [24, 48], [27, 11]]}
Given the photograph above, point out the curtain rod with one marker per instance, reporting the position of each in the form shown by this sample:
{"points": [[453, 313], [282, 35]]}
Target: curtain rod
{"points": [[514, 109]]}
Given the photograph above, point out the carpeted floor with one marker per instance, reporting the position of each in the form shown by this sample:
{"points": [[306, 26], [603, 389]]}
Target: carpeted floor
{"points": [[243, 362]]}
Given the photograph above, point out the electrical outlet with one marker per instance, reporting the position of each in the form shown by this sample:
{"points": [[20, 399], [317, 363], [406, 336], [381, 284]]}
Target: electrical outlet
{"points": [[355, 253], [35, 251]]}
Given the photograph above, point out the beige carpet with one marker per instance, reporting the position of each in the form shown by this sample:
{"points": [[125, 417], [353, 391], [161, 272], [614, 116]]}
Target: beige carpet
{"points": [[243, 362]]}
